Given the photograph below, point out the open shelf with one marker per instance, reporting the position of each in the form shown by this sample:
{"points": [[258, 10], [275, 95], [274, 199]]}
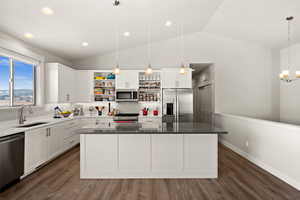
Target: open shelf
{"points": [[104, 86]]}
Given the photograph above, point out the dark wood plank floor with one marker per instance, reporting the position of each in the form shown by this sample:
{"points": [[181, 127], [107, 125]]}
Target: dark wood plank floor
{"points": [[238, 179]]}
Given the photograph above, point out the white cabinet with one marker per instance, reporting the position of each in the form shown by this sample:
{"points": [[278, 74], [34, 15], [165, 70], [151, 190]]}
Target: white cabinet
{"points": [[127, 79], [55, 141], [44, 144], [167, 153], [60, 81], [171, 78], [100, 153], [36, 151], [84, 86], [201, 153], [134, 152]]}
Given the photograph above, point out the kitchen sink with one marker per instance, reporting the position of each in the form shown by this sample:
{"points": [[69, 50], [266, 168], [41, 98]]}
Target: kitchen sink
{"points": [[31, 125]]}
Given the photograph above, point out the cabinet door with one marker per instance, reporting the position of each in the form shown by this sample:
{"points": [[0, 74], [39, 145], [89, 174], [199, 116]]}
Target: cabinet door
{"points": [[55, 141], [100, 153], [184, 80], [171, 78], [167, 153], [127, 79], [36, 150], [201, 153], [134, 153], [66, 84], [84, 86]]}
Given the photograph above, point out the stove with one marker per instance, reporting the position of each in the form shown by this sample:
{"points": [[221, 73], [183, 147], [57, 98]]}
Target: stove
{"points": [[126, 118]]}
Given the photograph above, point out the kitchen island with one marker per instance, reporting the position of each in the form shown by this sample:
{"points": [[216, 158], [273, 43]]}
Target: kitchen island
{"points": [[145, 150]]}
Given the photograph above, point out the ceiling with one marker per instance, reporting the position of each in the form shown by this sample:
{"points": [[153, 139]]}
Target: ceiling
{"points": [[95, 22], [261, 21]]}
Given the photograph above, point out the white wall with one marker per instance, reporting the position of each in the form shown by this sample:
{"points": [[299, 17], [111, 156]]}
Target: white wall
{"points": [[243, 70], [271, 145], [13, 46], [289, 92]]}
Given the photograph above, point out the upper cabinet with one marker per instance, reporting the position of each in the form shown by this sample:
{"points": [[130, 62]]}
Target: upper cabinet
{"points": [[127, 79], [84, 86], [171, 78], [60, 83]]}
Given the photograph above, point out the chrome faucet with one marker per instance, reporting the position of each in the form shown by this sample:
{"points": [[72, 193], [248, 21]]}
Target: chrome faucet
{"points": [[22, 117]]}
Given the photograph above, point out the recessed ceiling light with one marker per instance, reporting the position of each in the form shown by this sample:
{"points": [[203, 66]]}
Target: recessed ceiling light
{"points": [[126, 34], [168, 23], [28, 35], [85, 44], [47, 11]]}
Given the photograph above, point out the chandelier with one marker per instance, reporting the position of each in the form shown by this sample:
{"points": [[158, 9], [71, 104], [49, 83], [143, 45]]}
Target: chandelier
{"points": [[285, 74]]}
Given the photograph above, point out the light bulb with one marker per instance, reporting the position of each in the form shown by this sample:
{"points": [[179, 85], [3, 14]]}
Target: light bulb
{"points": [[149, 70], [47, 11], [117, 70], [182, 69], [28, 35], [281, 76], [285, 73], [297, 74]]}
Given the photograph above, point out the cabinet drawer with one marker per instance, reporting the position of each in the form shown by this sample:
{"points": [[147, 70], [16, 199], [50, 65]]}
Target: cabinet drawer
{"points": [[71, 141]]}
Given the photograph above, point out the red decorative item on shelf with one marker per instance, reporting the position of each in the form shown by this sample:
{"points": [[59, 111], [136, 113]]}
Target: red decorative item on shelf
{"points": [[155, 112], [145, 111]]}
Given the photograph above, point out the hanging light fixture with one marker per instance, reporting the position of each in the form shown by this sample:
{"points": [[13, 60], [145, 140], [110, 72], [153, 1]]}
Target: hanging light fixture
{"points": [[285, 74], [149, 69], [182, 66], [117, 70]]}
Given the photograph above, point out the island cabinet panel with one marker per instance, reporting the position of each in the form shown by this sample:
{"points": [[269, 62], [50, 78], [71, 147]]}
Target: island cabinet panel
{"points": [[148, 155], [100, 153], [134, 153], [167, 153], [201, 153]]}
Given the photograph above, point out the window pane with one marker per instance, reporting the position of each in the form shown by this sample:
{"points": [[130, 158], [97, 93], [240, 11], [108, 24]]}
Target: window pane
{"points": [[4, 81], [23, 83]]}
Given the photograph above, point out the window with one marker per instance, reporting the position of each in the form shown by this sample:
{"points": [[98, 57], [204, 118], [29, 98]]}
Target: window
{"points": [[21, 89], [4, 81]]}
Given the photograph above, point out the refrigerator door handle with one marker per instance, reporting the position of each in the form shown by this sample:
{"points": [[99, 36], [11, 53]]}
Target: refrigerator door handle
{"points": [[177, 108]]}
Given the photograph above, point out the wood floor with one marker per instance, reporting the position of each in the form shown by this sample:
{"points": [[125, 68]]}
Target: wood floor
{"points": [[238, 180]]}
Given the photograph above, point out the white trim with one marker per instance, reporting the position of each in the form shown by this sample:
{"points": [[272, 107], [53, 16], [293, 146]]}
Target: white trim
{"points": [[261, 164], [18, 49], [262, 121]]}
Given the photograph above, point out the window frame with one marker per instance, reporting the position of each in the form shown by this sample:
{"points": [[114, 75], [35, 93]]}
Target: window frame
{"points": [[11, 81]]}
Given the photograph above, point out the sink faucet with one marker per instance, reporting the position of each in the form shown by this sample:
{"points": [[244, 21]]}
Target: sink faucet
{"points": [[22, 117]]}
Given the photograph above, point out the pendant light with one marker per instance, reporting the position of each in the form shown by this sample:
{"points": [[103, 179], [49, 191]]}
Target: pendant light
{"points": [[285, 74], [117, 70], [149, 69], [182, 66]]}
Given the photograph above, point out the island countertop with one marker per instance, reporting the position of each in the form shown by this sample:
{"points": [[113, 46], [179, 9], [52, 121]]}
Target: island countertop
{"points": [[150, 128]]}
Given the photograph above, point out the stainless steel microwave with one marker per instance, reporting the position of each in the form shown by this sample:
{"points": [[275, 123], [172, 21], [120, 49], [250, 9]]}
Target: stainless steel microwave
{"points": [[127, 95]]}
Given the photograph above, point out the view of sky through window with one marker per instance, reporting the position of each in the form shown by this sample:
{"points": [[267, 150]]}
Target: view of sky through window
{"points": [[23, 78], [4, 81], [23, 83]]}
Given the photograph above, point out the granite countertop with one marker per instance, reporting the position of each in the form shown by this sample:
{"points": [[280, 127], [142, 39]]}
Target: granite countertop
{"points": [[150, 128]]}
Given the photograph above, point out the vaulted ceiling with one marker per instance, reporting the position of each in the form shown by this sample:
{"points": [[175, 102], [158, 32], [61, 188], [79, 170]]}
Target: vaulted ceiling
{"points": [[95, 22]]}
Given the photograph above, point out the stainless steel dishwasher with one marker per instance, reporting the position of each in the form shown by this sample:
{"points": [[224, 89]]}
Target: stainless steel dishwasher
{"points": [[11, 158]]}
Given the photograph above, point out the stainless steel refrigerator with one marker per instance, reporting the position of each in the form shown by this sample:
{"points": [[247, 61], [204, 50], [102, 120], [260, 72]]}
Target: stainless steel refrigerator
{"points": [[177, 105]]}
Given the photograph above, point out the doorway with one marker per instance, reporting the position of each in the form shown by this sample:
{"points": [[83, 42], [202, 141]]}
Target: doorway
{"points": [[203, 90]]}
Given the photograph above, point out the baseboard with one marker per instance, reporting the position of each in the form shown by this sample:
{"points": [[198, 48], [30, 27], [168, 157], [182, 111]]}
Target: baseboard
{"points": [[261, 164]]}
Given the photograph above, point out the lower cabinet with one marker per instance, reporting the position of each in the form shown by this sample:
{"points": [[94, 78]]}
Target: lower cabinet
{"points": [[148, 156], [136, 149], [44, 144], [167, 153], [36, 151]]}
